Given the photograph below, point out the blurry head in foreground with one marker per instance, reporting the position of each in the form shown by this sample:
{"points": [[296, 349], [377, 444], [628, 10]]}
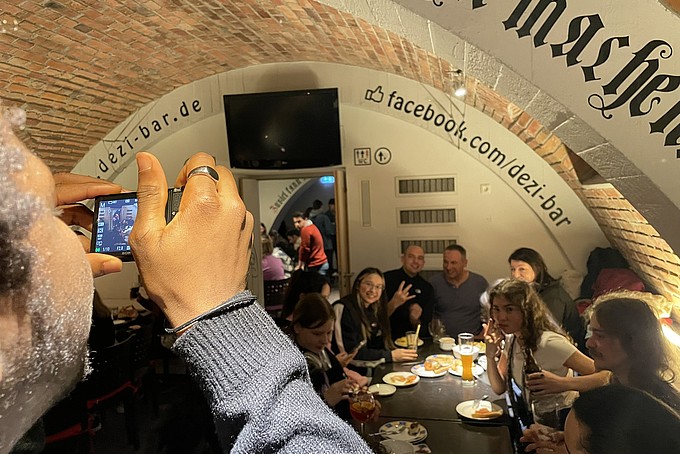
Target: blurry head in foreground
{"points": [[622, 420], [45, 290], [627, 339]]}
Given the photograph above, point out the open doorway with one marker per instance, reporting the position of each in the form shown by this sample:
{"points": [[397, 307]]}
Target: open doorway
{"points": [[273, 200]]}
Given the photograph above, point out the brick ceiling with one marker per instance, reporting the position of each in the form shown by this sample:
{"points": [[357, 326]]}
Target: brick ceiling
{"points": [[79, 68]]}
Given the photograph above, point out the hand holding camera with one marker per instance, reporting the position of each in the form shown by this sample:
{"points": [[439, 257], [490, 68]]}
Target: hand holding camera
{"points": [[200, 258], [71, 189]]}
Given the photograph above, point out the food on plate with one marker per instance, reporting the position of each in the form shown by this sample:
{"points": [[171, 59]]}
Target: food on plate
{"points": [[481, 345], [486, 413], [443, 360], [407, 380], [435, 366], [441, 369], [432, 364], [413, 429], [401, 378], [456, 364]]}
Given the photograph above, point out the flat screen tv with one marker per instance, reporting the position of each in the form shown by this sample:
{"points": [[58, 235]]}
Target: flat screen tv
{"points": [[283, 130]]}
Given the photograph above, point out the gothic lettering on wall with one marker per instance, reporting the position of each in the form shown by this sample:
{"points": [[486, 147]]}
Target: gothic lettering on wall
{"points": [[640, 85]]}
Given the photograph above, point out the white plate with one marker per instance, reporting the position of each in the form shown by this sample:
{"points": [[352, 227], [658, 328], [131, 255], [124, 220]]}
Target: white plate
{"points": [[401, 342], [387, 431], [419, 370], [382, 389], [465, 409], [399, 379], [482, 362], [398, 447], [477, 370]]}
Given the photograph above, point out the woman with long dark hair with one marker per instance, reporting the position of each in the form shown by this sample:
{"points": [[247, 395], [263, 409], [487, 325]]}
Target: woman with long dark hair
{"points": [[627, 340], [362, 316], [527, 265], [521, 320], [614, 419]]}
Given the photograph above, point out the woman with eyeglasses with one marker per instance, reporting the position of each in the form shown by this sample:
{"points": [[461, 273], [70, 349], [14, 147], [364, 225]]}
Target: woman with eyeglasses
{"points": [[362, 316]]}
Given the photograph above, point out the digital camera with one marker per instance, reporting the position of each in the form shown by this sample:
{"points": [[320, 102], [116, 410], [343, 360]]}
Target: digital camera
{"points": [[114, 217]]}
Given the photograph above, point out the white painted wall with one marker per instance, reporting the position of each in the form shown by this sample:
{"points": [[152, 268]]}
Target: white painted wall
{"points": [[490, 225]]}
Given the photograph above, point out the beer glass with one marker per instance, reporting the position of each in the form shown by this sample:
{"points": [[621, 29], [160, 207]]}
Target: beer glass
{"points": [[466, 350], [411, 340]]}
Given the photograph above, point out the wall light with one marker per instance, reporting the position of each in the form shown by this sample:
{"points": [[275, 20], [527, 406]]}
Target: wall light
{"points": [[458, 83]]}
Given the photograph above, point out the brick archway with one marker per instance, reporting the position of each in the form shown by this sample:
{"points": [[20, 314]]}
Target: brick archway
{"points": [[80, 70]]}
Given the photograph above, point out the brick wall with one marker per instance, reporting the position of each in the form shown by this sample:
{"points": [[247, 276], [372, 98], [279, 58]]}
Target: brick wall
{"points": [[673, 4]]}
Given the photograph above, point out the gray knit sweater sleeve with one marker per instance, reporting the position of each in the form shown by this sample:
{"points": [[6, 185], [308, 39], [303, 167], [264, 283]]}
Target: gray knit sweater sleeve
{"points": [[258, 387]]}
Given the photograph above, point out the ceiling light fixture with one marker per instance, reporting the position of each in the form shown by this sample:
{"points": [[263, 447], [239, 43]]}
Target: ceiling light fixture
{"points": [[459, 88], [5, 26], [458, 83]]}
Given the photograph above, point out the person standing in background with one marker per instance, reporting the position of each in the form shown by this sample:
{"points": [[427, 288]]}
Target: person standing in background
{"points": [[332, 262], [316, 209], [311, 255], [323, 223]]}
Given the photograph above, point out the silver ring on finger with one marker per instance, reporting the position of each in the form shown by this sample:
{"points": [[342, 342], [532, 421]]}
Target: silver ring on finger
{"points": [[205, 170]]}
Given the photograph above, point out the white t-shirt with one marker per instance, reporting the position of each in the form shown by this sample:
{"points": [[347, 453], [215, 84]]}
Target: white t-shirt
{"points": [[551, 353]]}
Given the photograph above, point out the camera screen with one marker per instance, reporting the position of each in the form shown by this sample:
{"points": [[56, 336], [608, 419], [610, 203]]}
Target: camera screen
{"points": [[114, 219]]}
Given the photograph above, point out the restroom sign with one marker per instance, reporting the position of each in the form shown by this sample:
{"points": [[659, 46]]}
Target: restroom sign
{"points": [[383, 155], [362, 156]]}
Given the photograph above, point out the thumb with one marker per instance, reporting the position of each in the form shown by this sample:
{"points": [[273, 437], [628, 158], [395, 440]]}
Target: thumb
{"points": [[152, 193]]}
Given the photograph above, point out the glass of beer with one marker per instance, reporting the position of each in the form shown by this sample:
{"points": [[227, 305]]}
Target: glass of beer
{"points": [[466, 350], [411, 340]]}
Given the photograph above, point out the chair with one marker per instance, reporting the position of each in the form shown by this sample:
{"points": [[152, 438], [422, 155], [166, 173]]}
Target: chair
{"points": [[108, 384], [274, 292], [143, 373], [111, 383]]}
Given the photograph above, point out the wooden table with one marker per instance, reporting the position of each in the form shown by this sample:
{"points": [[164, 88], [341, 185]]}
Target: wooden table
{"points": [[432, 402]]}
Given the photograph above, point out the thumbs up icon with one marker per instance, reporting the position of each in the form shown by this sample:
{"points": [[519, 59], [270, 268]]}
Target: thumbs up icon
{"points": [[375, 95]]}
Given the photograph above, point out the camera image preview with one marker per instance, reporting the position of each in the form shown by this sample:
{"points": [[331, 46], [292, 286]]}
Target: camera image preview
{"points": [[114, 224]]}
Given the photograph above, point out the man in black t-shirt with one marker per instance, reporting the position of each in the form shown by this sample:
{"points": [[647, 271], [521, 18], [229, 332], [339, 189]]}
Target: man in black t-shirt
{"points": [[411, 298]]}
